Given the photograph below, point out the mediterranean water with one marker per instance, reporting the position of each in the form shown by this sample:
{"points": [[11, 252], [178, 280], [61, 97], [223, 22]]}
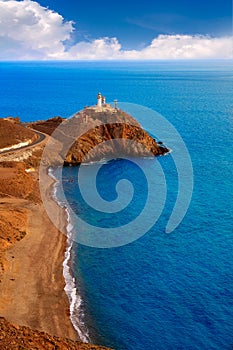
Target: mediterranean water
{"points": [[164, 291]]}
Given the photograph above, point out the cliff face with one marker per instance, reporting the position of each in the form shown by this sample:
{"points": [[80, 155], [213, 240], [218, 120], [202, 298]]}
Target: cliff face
{"points": [[113, 140], [115, 132]]}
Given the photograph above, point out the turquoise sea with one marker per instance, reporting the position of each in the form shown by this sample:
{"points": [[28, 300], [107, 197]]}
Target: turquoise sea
{"points": [[163, 291]]}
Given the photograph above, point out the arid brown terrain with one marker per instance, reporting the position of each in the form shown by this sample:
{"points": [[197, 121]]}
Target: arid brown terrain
{"points": [[12, 133], [23, 338], [15, 181], [34, 309], [46, 126]]}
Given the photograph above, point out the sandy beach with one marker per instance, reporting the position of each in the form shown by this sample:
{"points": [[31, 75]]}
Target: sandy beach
{"points": [[32, 286]]}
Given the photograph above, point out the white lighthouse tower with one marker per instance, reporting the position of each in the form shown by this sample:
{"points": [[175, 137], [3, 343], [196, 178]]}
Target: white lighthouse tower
{"points": [[99, 100]]}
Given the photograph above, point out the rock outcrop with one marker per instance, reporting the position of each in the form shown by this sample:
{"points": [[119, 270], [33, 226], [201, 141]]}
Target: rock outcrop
{"points": [[113, 141], [102, 134], [21, 337]]}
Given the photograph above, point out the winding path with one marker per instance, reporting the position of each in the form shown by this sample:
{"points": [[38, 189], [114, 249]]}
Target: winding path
{"points": [[37, 142]]}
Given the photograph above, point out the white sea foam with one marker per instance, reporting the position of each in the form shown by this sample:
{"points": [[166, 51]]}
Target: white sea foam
{"points": [[75, 300], [102, 161]]}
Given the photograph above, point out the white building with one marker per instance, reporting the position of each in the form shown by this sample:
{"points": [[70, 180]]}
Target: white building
{"points": [[99, 100]]}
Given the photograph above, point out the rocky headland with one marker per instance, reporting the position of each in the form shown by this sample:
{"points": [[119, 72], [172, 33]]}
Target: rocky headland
{"points": [[103, 133]]}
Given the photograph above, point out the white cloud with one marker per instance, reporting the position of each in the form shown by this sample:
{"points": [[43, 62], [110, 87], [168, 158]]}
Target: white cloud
{"points": [[97, 49], [30, 31], [162, 47], [185, 47]]}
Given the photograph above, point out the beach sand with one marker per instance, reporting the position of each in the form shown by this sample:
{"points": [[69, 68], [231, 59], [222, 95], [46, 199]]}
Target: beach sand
{"points": [[32, 286]]}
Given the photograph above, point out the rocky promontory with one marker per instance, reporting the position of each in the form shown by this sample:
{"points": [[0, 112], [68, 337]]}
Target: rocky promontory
{"points": [[116, 133]]}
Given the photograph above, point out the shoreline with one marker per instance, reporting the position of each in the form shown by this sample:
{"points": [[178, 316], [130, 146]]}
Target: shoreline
{"points": [[75, 300]]}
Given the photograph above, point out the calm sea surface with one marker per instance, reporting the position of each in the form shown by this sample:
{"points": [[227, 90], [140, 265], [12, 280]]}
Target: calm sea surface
{"points": [[163, 291]]}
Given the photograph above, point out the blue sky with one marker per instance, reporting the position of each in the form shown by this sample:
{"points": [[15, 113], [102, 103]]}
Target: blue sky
{"points": [[122, 30], [136, 23]]}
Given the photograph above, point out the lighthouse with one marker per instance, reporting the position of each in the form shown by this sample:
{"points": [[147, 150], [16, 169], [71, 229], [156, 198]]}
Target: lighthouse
{"points": [[103, 100], [99, 100]]}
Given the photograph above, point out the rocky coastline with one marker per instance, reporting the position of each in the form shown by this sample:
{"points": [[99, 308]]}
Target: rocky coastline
{"points": [[34, 308]]}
